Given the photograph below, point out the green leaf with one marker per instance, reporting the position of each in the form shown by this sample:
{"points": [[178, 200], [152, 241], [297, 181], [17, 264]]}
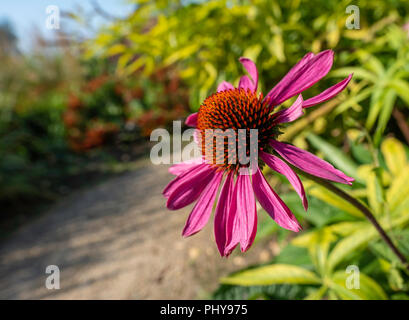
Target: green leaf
{"points": [[319, 212], [359, 73], [272, 274], [317, 294], [348, 245], [401, 239], [334, 200], [273, 292], [318, 243], [359, 150], [400, 296], [399, 189], [340, 292], [347, 228], [353, 100], [401, 87], [394, 155], [266, 226], [277, 47], [388, 103], [293, 255], [376, 104], [371, 62], [374, 192], [368, 288]]}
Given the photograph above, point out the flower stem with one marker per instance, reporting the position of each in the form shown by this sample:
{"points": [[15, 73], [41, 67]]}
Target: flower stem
{"points": [[367, 213]]}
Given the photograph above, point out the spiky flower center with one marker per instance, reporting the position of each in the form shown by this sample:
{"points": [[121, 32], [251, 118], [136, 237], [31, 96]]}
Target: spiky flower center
{"points": [[233, 109]]}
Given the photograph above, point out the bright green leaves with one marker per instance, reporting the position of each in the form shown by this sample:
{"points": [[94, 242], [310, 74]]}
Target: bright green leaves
{"points": [[335, 245], [349, 245], [273, 274], [394, 155], [368, 289]]}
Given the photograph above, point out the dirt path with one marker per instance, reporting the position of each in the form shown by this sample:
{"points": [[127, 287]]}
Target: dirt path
{"points": [[115, 241]]}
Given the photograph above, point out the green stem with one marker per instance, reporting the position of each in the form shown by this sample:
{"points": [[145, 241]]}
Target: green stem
{"points": [[361, 207]]}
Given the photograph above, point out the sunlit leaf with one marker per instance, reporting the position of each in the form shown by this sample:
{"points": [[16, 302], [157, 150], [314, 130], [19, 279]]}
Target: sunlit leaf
{"points": [[350, 244], [334, 200], [272, 274], [368, 288], [394, 155], [317, 294]]}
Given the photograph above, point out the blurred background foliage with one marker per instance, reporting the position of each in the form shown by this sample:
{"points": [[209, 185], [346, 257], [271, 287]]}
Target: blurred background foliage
{"points": [[68, 113]]}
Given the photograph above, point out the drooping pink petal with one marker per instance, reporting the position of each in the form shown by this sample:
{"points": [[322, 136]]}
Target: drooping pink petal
{"points": [[251, 68], [303, 75], [246, 83], [189, 186], [310, 163], [179, 168], [246, 211], [191, 120], [203, 208], [232, 225], [225, 86], [273, 204], [280, 166], [328, 93], [175, 182], [223, 208], [292, 113]]}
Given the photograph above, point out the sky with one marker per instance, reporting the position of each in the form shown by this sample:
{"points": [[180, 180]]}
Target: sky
{"points": [[28, 15]]}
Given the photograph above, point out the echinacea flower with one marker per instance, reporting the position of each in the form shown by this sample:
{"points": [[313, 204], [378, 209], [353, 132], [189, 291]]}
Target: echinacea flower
{"points": [[199, 180]]}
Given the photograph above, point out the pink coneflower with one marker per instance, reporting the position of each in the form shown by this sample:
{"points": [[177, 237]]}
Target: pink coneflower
{"points": [[235, 218]]}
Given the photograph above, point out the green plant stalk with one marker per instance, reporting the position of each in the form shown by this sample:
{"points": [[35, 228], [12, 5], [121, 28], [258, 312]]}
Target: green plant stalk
{"points": [[367, 213]]}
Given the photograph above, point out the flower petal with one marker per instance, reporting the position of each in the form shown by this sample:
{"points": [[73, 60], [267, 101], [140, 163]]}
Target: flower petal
{"points": [[292, 113], [179, 168], [191, 120], [328, 93], [225, 86], [174, 183], [188, 186], [242, 221], [273, 204], [232, 225], [280, 166], [251, 68], [303, 75], [246, 211], [222, 213], [246, 83], [203, 208], [310, 163], [290, 74]]}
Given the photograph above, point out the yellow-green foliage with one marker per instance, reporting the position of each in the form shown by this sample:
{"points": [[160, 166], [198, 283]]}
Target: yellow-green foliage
{"points": [[205, 38], [332, 246]]}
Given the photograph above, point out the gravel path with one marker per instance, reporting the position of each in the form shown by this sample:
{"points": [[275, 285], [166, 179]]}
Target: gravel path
{"points": [[115, 240]]}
